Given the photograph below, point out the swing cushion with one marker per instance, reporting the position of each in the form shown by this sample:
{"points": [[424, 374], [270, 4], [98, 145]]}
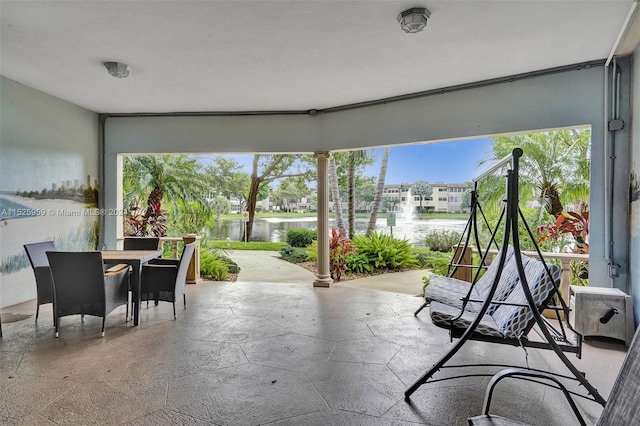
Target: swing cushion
{"points": [[514, 320], [509, 280], [504, 320], [450, 291], [442, 315]]}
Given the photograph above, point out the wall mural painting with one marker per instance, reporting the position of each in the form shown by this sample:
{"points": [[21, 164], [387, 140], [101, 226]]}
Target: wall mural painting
{"points": [[64, 212]]}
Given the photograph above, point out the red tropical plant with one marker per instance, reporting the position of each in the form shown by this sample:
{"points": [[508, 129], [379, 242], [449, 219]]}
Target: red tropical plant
{"points": [[580, 222], [156, 223], [135, 225], [576, 225], [572, 223], [340, 249], [151, 223]]}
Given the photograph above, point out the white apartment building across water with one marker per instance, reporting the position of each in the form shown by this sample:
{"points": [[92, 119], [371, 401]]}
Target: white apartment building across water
{"points": [[445, 197]]}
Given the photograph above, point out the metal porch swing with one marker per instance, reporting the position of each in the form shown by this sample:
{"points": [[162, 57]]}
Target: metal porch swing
{"points": [[506, 303]]}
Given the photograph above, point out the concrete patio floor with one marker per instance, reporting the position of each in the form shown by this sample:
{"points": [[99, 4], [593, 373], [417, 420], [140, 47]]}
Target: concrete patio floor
{"points": [[276, 353]]}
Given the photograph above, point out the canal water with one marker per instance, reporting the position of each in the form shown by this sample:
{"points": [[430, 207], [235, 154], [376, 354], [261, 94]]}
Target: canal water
{"points": [[275, 229]]}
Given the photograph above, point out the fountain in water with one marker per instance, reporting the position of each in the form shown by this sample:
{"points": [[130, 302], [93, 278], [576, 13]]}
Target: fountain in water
{"points": [[407, 211]]}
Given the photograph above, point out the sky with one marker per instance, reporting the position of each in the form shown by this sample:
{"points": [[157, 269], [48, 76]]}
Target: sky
{"points": [[445, 162]]}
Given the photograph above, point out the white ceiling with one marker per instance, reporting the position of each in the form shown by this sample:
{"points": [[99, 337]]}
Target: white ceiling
{"points": [[266, 55]]}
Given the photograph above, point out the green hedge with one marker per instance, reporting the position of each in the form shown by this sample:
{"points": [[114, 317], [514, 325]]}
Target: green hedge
{"points": [[441, 240], [302, 237], [293, 254]]}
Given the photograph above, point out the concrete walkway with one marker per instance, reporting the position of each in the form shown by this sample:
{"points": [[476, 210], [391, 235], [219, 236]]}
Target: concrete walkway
{"points": [[407, 282], [266, 266]]}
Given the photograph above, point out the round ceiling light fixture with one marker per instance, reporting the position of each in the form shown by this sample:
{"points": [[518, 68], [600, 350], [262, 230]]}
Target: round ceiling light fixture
{"points": [[118, 69], [414, 20]]}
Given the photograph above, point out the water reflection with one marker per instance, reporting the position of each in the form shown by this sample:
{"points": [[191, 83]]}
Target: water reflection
{"points": [[275, 229]]}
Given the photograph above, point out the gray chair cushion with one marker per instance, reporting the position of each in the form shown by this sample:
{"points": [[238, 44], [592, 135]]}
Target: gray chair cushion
{"points": [[506, 320], [514, 320], [442, 315], [446, 290]]}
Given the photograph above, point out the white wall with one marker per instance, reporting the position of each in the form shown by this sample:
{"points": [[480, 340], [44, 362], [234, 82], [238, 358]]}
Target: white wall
{"points": [[43, 141], [551, 101]]}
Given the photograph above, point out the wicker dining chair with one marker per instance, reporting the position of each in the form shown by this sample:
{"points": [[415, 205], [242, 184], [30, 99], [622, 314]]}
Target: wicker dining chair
{"points": [[165, 279], [37, 254], [81, 285], [141, 243]]}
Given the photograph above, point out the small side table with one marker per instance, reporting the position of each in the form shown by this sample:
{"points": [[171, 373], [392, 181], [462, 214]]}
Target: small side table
{"points": [[599, 311]]}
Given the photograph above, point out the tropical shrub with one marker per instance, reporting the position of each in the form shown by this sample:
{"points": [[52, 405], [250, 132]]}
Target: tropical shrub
{"points": [[215, 265], [421, 256], [232, 266], [385, 251], [312, 252], [359, 263], [436, 261], [293, 254], [212, 267], [340, 249], [302, 237], [579, 272], [441, 240]]}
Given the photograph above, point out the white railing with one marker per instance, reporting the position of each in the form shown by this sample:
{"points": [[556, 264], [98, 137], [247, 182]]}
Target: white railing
{"points": [[172, 242], [565, 263]]}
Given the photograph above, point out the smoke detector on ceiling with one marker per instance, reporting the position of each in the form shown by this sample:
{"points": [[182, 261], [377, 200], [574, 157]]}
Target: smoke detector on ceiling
{"points": [[414, 20], [118, 69]]}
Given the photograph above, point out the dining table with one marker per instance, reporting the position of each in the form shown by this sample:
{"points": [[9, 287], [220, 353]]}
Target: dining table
{"points": [[134, 258]]}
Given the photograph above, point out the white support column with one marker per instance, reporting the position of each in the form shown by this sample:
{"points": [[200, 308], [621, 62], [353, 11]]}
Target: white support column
{"points": [[323, 277]]}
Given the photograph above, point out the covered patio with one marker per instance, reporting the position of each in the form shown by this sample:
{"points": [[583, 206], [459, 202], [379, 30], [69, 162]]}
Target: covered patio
{"points": [[254, 353], [291, 77]]}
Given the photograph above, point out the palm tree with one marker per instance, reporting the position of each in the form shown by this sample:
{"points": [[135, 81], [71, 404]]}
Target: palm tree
{"points": [[354, 160], [220, 205], [555, 166], [377, 201], [172, 178], [335, 192]]}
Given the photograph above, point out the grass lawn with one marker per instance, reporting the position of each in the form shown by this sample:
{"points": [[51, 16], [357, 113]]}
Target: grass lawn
{"points": [[250, 245]]}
